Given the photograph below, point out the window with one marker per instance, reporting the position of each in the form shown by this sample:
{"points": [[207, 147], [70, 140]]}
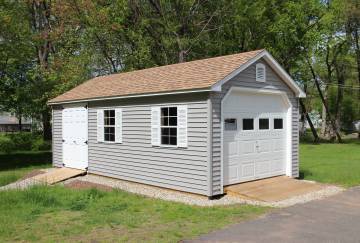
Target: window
{"points": [[109, 125], [230, 124], [169, 121], [264, 123], [248, 124], [278, 123], [260, 72]]}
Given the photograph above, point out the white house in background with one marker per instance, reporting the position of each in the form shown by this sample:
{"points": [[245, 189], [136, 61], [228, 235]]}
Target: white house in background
{"points": [[9, 123], [195, 126]]}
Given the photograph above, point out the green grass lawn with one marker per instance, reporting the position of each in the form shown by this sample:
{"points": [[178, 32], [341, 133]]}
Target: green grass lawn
{"points": [[15, 165], [58, 214], [331, 163]]}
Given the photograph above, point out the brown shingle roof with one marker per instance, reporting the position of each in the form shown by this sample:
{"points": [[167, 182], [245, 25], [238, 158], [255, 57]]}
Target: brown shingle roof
{"points": [[192, 75]]}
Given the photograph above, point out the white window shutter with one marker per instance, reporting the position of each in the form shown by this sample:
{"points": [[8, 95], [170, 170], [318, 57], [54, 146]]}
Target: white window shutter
{"points": [[118, 125], [155, 126], [100, 125], [182, 126], [260, 72]]}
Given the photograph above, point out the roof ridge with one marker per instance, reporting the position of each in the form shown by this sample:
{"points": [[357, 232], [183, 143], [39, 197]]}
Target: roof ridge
{"points": [[179, 64], [192, 75]]}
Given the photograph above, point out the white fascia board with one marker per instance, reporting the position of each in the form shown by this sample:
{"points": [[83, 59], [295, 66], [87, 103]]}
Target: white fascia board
{"points": [[128, 96], [273, 63]]}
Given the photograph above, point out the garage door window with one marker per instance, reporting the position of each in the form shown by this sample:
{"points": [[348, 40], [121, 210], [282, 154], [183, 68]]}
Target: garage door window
{"points": [[230, 124], [248, 124], [264, 124], [278, 123]]}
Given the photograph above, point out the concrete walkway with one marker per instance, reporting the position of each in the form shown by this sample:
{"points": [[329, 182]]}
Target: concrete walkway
{"points": [[334, 219]]}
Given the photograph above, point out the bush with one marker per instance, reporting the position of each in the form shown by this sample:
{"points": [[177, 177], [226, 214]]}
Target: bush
{"points": [[23, 141], [41, 145], [6, 144]]}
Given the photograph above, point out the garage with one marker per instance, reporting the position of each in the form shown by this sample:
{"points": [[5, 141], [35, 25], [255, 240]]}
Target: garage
{"points": [[255, 133], [75, 137]]}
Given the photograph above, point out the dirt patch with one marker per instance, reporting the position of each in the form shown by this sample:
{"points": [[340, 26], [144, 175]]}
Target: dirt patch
{"points": [[32, 174], [77, 184]]}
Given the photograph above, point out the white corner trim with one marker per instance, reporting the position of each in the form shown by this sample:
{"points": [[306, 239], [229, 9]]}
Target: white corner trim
{"points": [[289, 121], [276, 67]]}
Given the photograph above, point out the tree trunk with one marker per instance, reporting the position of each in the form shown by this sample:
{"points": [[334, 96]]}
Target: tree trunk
{"points": [[332, 122], [47, 133], [20, 123], [324, 121], [340, 94], [313, 130]]}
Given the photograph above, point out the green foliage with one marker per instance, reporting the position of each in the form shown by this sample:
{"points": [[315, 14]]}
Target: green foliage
{"points": [[23, 141], [6, 144], [58, 214], [49, 47]]}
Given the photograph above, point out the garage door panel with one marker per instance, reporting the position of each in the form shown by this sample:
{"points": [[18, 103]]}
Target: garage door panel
{"points": [[262, 167], [246, 147], [254, 153], [231, 149], [248, 170], [277, 165]]}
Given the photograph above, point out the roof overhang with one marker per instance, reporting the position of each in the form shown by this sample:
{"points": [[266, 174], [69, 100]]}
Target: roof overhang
{"points": [[129, 96], [273, 64]]}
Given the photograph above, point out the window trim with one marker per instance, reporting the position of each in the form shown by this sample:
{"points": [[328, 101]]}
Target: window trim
{"points": [[242, 124], [278, 129], [236, 124], [114, 126], [161, 127], [102, 109], [258, 124]]}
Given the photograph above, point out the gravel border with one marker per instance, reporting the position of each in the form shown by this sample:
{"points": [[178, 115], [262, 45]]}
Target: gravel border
{"points": [[182, 197], [198, 200]]}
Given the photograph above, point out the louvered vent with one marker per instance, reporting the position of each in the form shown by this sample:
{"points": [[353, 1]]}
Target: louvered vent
{"points": [[260, 72]]}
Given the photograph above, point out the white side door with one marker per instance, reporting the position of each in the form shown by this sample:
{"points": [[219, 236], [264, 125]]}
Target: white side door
{"points": [[75, 137]]}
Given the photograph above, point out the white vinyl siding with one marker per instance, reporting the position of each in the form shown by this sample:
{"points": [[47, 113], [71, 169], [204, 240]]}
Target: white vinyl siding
{"points": [[137, 160]]}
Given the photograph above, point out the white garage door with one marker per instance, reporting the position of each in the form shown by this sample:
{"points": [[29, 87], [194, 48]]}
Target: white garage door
{"points": [[75, 136], [254, 136]]}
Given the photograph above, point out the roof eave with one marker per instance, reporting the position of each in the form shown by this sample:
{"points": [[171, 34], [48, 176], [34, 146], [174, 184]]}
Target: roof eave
{"points": [[128, 96]]}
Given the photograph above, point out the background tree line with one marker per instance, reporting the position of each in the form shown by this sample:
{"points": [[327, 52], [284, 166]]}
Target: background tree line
{"points": [[49, 46]]}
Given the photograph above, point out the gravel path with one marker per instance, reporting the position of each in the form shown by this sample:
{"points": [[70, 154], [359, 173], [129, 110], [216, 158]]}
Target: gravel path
{"points": [[176, 196], [192, 199]]}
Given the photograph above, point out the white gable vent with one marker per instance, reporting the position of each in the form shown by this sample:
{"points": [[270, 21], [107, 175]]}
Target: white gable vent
{"points": [[260, 72]]}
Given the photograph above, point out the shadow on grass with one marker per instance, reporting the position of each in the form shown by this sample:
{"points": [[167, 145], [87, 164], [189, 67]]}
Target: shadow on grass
{"points": [[24, 159], [304, 173]]}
